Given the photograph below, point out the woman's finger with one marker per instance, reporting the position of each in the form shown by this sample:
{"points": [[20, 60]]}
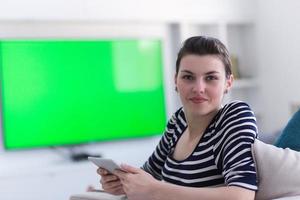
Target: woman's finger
{"points": [[130, 169], [108, 178], [112, 186], [119, 173], [102, 171]]}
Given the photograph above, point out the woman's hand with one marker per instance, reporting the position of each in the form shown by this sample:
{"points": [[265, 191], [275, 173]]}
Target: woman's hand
{"points": [[137, 184], [110, 182]]}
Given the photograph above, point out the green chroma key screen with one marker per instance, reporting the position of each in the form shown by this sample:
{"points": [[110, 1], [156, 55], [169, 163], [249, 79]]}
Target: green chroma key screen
{"points": [[63, 92]]}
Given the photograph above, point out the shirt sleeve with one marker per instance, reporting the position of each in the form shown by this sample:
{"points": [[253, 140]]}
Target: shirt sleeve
{"points": [[240, 130], [156, 161]]}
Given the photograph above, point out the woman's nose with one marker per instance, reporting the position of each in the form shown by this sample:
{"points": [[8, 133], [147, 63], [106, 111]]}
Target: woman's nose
{"points": [[199, 86]]}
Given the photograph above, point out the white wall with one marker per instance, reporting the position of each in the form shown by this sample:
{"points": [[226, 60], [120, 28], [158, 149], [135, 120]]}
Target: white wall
{"points": [[278, 48], [126, 10]]}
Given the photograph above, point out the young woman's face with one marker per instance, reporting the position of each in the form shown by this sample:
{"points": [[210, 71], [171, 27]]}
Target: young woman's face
{"points": [[201, 84]]}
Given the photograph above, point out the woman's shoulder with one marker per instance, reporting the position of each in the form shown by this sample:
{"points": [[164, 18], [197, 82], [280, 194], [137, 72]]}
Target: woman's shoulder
{"points": [[177, 123], [237, 119], [235, 106], [236, 103], [235, 110], [178, 117], [175, 127]]}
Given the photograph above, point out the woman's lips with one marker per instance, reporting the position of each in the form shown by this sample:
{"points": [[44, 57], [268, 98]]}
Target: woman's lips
{"points": [[198, 99]]}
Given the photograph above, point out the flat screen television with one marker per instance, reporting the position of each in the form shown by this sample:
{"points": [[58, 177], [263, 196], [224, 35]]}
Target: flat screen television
{"points": [[67, 92]]}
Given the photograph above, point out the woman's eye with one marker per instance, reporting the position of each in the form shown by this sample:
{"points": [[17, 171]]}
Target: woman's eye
{"points": [[187, 77], [211, 78]]}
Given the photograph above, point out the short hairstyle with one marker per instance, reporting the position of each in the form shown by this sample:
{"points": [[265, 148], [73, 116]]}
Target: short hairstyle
{"points": [[201, 45]]}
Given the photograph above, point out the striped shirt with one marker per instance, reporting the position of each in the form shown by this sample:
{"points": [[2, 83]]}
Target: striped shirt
{"points": [[222, 156]]}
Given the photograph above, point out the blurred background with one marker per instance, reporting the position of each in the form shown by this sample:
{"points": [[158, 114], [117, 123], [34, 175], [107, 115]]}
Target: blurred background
{"points": [[262, 37]]}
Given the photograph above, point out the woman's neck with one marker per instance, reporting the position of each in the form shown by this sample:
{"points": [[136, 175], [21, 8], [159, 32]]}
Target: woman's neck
{"points": [[198, 124]]}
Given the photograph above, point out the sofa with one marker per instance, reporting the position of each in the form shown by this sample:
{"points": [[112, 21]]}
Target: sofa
{"points": [[278, 172]]}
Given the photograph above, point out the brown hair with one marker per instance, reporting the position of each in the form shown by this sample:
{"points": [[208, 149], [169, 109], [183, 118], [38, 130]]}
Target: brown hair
{"points": [[201, 45]]}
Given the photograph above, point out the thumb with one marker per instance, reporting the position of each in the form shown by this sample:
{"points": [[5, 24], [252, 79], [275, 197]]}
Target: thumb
{"points": [[130, 169]]}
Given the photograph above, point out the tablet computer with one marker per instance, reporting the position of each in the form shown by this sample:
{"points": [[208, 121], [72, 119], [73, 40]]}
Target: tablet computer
{"points": [[105, 163]]}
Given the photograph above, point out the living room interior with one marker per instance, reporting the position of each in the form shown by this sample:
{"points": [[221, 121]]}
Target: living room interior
{"points": [[262, 37]]}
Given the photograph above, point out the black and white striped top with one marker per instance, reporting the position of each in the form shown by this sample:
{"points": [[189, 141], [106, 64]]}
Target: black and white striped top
{"points": [[222, 156]]}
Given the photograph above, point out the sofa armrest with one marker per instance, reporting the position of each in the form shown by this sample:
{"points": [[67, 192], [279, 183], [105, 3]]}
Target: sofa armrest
{"points": [[96, 196]]}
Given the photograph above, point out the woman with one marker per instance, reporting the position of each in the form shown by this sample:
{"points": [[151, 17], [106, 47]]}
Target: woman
{"points": [[205, 152]]}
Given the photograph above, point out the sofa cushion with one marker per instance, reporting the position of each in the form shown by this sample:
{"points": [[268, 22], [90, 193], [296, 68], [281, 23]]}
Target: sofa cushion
{"points": [[289, 198], [290, 136], [278, 171]]}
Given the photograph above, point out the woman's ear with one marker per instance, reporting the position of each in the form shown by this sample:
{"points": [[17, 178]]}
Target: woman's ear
{"points": [[229, 82], [175, 81]]}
